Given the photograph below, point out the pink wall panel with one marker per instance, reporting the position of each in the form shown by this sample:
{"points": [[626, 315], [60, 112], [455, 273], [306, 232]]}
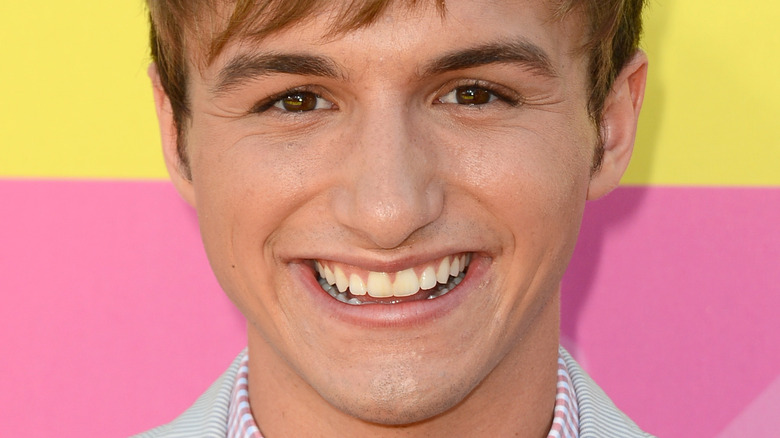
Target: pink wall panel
{"points": [[111, 321], [671, 303]]}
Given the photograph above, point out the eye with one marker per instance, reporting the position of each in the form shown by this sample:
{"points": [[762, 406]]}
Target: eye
{"points": [[469, 95], [479, 93], [300, 101]]}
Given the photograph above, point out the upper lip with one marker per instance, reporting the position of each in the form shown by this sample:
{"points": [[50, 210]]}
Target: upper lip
{"points": [[386, 264]]}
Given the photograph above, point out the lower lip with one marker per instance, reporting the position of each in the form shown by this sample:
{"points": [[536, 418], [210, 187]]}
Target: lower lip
{"points": [[407, 314]]}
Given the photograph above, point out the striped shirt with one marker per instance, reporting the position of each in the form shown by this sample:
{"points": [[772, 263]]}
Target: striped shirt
{"points": [[241, 424]]}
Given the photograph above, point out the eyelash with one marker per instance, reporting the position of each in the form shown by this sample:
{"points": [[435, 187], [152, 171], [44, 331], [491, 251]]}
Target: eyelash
{"points": [[499, 92], [271, 101]]}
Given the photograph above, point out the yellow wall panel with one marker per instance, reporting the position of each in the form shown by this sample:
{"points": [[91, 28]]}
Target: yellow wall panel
{"points": [[75, 97], [75, 101], [712, 108]]}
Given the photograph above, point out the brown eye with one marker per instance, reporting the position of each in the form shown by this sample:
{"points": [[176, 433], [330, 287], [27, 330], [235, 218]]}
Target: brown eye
{"points": [[299, 101], [472, 95]]}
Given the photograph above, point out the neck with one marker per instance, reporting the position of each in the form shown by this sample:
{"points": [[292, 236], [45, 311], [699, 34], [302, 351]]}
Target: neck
{"points": [[516, 398]]}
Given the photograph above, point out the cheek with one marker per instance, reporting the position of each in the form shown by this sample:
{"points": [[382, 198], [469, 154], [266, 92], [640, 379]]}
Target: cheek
{"points": [[533, 184], [250, 180], [242, 197], [541, 172], [250, 189]]}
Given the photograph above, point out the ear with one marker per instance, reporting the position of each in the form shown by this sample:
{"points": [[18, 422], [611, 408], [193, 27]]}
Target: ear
{"points": [[169, 136], [618, 125]]}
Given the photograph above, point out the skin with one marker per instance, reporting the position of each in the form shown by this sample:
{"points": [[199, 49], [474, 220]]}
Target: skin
{"points": [[388, 173]]}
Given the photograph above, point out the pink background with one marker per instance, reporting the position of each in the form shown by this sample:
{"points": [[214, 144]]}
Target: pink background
{"points": [[111, 321]]}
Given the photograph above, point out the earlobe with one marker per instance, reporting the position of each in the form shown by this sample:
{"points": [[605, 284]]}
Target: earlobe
{"points": [[169, 137], [619, 124]]}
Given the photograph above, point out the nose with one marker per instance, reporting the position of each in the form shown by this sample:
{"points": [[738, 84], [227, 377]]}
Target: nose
{"points": [[389, 184]]}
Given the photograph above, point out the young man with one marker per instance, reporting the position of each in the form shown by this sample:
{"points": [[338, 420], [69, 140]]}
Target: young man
{"points": [[390, 191]]}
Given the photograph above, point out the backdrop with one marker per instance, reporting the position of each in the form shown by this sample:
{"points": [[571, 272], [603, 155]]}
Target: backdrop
{"points": [[111, 321]]}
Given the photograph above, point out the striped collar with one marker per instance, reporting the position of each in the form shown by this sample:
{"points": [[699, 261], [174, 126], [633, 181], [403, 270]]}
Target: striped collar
{"points": [[240, 421], [241, 424]]}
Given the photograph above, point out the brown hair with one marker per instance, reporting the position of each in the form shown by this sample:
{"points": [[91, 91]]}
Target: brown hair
{"points": [[613, 31]]}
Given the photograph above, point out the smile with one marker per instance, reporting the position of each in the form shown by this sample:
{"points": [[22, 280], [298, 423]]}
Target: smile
{"points": [[425, 282]]}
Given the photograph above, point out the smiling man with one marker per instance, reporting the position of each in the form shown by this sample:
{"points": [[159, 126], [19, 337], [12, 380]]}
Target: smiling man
{"points": [[390, 192]]}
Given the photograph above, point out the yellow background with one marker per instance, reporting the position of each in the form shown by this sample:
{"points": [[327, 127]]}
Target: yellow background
{"points": [[75, 101]]}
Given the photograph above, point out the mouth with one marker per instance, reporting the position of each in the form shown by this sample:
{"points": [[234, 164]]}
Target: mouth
{"points": [[353, 286]]}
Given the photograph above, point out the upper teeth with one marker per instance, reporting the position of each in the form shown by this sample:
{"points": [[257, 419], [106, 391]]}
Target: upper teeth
{"points": [[398, 284]]}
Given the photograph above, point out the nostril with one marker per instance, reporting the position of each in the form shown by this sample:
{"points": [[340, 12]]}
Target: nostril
{"points": [[387, 218]]}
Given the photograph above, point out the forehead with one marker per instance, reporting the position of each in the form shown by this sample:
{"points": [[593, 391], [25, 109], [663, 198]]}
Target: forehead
{"points": [[217, 25]]}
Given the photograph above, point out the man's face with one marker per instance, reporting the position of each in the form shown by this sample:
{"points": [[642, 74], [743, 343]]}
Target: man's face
{"points": [[387, 158]]}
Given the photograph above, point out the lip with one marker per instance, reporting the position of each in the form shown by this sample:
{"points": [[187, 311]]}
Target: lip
{"points": [[399, 315], [391, 265]]}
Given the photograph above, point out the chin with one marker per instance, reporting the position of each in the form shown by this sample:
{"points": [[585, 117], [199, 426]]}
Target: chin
{"points": [[398, 410], [397, 399]]}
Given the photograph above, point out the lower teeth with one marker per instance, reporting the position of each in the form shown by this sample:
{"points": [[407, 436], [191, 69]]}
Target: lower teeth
{"points": [[348, 298]]}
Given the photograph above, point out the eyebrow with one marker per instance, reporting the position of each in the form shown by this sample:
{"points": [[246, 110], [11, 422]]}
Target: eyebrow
{"points": [[246, 67], [519, 51]]}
